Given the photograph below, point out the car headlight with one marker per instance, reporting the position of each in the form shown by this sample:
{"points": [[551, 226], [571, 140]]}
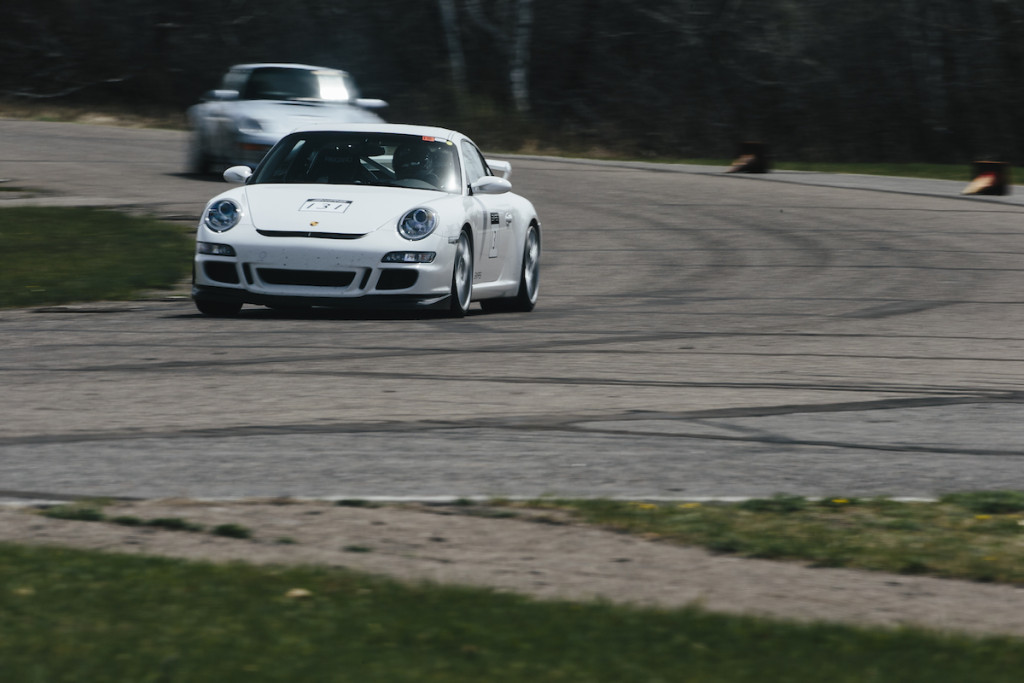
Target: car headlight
{"points": [[222, 215], [418, 223]]}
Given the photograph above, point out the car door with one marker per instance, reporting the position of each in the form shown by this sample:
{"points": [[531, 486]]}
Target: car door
{"points": [[495, 241], [223, 113]]}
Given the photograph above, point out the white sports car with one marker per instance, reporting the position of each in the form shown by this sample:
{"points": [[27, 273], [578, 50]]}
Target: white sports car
{"points": [[258, 104], [378, 215]]}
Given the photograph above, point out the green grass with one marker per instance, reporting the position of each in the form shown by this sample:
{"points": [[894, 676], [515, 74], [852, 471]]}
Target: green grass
{"points": [[958, 172], [174, 524], [934, 171], [976, 536], [84, 616], [92, 511], [63, 255], [231, 531]]}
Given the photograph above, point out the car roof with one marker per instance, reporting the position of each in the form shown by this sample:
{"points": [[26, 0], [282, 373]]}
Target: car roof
{"points": [[397, 128]]}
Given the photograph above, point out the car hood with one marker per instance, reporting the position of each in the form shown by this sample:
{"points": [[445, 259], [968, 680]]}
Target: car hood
{"points": [[286, 116], [331, 209]]}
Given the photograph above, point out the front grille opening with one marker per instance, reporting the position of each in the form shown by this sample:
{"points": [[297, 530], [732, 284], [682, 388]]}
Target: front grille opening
{"points": [[306, 278], [221, 271], [397, 278]]}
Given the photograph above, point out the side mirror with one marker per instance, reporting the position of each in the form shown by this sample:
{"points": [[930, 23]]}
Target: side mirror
{"points": [[502, 169], [220, 95], [490, 184], [370, 103], [238, 174]]}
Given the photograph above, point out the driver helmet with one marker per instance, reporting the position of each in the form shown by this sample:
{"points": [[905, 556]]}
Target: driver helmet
{"points": [[413, 160]]}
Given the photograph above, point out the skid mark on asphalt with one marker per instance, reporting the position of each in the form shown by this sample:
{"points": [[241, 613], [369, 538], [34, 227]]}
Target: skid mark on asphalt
{"points": [[880, 425], [950, 428]]}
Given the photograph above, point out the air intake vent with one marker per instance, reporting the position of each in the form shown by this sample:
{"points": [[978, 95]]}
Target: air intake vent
{"points": [[221, 271], [306, 278], [396, 278]]}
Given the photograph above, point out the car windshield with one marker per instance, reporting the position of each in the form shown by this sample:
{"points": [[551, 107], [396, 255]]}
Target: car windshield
{"points": [[340, 158], [281, 83]]}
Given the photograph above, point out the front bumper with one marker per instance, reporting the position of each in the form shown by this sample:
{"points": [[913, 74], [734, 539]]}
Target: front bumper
{"points": [[367, 302], [339, 273]]}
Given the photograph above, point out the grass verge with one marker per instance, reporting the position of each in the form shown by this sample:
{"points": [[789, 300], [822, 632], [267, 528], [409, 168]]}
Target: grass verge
{"points": [[932, 171], [960, 173], [63, 255], [976, 536], [75, 615]]}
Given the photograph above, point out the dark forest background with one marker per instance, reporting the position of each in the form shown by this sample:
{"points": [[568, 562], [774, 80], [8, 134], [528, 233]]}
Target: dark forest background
{"points": [[884, 80]]}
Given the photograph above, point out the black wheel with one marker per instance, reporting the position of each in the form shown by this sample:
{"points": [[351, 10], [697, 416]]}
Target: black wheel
{"points": [[462, 277], [220, 309], [289, 308], [529, 279]]}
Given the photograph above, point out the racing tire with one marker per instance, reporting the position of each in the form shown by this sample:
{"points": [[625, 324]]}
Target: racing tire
{"points": [[218, 309], [529, 279], [462, 278]]}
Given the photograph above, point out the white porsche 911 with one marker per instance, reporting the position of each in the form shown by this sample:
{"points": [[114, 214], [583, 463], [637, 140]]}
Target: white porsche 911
{"points": [[372, 215], [258, 104]]}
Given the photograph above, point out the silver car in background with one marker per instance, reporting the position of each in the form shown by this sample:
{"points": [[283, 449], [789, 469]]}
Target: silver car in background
{"points": [[258, 104]]}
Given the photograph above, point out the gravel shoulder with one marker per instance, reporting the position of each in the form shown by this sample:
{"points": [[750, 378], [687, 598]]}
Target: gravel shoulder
{"points": [[535, 554]]}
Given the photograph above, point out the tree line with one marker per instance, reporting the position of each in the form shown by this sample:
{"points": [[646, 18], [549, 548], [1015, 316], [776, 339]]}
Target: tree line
{"points": [[901, 80]]}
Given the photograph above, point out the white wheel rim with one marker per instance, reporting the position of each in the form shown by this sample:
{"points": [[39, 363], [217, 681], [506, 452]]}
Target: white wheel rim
{"points": [[463, 274], [531, 265]]}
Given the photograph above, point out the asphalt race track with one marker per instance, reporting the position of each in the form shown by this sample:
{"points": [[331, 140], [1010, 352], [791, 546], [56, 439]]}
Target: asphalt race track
{"points": [[698, 335]]}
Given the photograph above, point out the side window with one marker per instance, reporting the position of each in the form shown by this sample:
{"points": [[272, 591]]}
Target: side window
{"points": [[476, 167], [235, 80]]}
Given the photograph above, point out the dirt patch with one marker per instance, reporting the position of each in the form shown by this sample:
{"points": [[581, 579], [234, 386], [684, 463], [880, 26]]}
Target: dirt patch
{"points": [[537, 554]]}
